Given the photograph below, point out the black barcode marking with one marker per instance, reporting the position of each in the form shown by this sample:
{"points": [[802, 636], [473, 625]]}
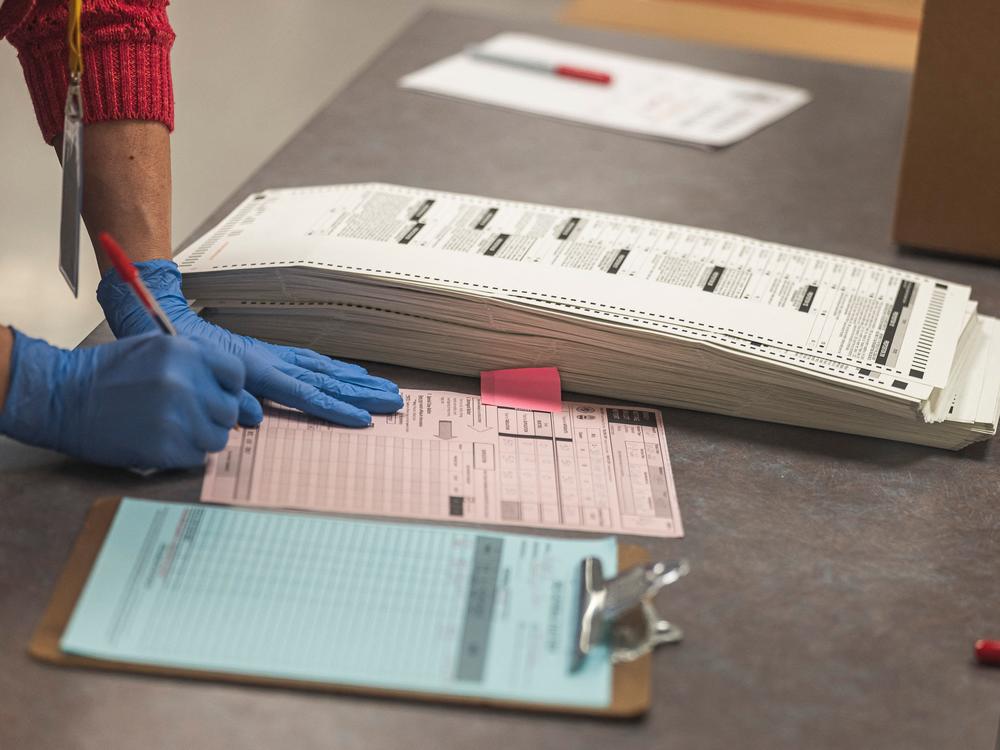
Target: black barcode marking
{"points": [[922, 354]]}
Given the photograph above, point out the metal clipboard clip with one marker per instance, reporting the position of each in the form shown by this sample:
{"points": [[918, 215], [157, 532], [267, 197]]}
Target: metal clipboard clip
{"points": [[620, 611]]}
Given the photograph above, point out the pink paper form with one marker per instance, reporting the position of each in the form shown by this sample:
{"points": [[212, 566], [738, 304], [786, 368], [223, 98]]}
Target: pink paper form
{"points": [[449, 457], [536, 388]]}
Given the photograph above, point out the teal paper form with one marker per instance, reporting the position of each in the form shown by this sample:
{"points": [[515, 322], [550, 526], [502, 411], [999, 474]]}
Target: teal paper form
{"points": [[312, 597]]}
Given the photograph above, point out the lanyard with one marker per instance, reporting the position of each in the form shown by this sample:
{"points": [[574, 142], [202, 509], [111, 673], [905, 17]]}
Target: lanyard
{"points": [[72, 155], [73, 40]]}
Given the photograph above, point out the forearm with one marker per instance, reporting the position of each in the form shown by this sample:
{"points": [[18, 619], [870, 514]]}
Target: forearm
{"points": [[6, 347], [126, 187]]}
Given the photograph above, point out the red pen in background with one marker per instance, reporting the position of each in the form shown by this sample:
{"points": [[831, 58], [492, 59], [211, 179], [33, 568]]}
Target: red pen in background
{"points": [[540, 66], [129, 275]]}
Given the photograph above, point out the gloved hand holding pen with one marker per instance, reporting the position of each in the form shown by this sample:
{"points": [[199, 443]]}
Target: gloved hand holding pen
{"points": [[153, 401]]}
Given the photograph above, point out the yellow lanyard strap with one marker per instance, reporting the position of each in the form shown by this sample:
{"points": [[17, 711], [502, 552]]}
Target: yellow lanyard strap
{"points": [[73, 40]]}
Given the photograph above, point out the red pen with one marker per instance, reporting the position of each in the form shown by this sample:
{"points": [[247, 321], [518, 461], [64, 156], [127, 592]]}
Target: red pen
{"points": [[541, 66], [988, 652], [130, 276]]}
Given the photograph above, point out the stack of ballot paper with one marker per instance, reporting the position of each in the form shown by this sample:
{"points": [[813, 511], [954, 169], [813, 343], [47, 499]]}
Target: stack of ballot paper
{"points": [[626, 308]]}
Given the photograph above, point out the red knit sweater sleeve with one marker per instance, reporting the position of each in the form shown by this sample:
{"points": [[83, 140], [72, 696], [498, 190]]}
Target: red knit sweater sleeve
{"points": [[126, 60]]}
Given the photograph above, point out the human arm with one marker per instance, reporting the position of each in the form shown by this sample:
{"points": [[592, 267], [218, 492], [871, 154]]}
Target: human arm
{"points": [[127, 173], [150, 401], [126, 168], [128, 105]]}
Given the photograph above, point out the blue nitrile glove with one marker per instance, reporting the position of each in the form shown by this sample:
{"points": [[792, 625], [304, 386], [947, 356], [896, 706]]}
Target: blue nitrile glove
{"points": [[300, 378], [151, 401]]}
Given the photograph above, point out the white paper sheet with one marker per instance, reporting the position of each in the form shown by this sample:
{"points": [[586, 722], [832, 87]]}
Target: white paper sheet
{"points": [[647, 97]]}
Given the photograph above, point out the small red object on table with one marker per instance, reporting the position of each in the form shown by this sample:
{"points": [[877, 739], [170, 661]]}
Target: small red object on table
{"points": [[988, 652]]}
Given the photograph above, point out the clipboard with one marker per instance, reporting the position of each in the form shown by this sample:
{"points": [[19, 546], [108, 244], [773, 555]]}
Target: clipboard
{"points": [[631, 690]]}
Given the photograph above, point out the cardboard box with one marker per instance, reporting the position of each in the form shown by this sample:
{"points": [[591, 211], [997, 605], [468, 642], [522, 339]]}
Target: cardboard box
{"points": [[881, 33], [949, 187]]}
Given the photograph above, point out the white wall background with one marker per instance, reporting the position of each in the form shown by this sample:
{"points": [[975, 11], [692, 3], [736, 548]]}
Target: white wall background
{"points": [[247, 75]]}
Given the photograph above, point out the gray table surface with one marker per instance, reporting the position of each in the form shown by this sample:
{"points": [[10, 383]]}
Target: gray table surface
{"points": [[838, 582]]}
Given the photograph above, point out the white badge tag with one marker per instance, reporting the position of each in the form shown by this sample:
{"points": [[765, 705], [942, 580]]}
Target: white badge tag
{"points": [[72, 186]]}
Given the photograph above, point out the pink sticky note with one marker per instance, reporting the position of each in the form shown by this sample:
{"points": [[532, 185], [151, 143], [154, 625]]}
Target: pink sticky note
{"points": [[536, 388]]}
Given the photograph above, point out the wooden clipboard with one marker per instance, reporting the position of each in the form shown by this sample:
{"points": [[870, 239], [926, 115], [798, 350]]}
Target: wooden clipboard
{"points": [[630, 683]]}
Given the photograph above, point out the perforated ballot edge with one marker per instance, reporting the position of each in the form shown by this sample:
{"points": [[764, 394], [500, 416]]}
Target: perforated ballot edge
{"points": [[630, 694]]}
